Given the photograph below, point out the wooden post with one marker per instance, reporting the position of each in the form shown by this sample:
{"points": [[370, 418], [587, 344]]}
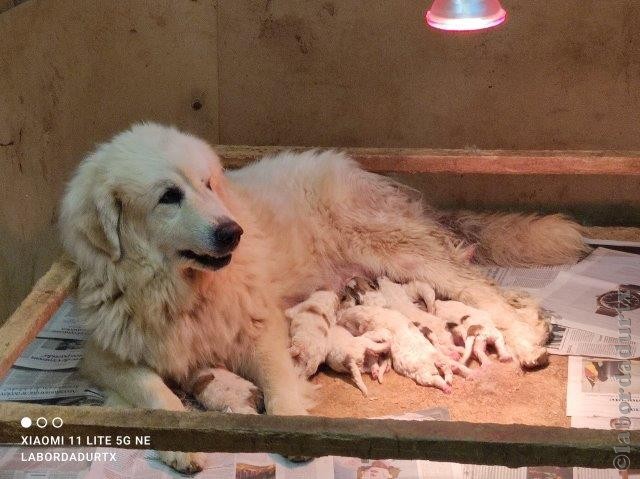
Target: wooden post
{"points": [[507, 445]]}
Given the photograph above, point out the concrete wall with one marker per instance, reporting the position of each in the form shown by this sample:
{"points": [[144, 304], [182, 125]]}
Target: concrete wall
{"points": [[560, 74]]}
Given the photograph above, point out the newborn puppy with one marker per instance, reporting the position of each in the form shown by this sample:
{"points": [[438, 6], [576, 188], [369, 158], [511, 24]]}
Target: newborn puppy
{"points": [[311, 321], [412, 355], [403, 298], [357, 354], [474, 328], [218, 389]]}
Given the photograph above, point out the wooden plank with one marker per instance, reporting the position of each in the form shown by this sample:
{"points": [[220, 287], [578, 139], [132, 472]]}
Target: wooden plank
{"points": [[23, 325], [503, 162], [507, 445]]}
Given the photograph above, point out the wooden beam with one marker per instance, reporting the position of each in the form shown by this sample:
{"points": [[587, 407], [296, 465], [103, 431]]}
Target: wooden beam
{"points": [[32, 314], [508, 445], [503, 162]]}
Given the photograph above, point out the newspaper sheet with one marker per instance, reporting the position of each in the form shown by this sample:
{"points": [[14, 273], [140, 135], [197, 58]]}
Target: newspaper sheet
{"points": [[603, 263], [22, 463], [618, 423], [538, 472], [50, 354], [589, 304], [603, 387], [530, 279], [610, 265], [566, 341], [64, 324], [146, 464], [32, 385], [627, 246], [581, 473]]}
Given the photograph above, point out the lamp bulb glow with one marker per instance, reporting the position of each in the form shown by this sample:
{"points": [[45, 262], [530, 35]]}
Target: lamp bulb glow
{"points": [[465, 15]]}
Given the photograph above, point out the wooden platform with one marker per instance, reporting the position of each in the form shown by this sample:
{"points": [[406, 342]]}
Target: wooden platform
{"points": [[503, 417]]}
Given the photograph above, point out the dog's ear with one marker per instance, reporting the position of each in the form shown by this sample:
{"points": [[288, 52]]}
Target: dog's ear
{"points": [[102, 226]]}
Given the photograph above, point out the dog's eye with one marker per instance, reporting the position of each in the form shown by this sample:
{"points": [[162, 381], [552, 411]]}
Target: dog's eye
{"points": [[208, 184], [172, 195]]}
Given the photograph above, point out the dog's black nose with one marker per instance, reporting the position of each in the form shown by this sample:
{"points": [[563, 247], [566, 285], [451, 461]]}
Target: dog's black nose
{"points": [[227, 235]]}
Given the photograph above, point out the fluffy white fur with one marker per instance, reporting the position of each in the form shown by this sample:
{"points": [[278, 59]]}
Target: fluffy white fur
{"points": [[518, 239], [220, 390], [311, 221], [311, 321], [347, 353], [406, 298], [316, 339], [474, 328], [412, 355]]}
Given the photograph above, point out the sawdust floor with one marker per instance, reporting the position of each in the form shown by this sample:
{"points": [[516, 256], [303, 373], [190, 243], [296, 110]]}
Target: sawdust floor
{"points": [[501, 393]]}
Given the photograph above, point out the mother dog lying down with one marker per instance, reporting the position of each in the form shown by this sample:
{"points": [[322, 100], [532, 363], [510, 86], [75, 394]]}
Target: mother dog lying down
{"points": [[185, 268]]}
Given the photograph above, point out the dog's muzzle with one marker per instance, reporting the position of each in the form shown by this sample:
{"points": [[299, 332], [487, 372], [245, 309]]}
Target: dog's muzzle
{"points": [[224, 238]]}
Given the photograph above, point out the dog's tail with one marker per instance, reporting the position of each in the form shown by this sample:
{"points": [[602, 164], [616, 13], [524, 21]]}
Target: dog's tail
{"points": [[518, 239]]}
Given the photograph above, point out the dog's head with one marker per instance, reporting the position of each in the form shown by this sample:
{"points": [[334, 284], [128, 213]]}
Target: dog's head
{"points": [[154, 194]]}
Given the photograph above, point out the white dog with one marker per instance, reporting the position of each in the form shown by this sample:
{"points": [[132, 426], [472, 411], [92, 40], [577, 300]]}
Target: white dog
{"points": [[183, 267]]}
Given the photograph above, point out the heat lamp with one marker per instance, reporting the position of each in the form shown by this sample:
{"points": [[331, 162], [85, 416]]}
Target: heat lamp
{"points": [[464, 15]]}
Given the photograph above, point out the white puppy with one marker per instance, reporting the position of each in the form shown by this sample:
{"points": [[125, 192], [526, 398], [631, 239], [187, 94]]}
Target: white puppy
{"points": [[412, 355], [316, 339], [475, 328], [311, 321], [357, 354], [403, 298]]}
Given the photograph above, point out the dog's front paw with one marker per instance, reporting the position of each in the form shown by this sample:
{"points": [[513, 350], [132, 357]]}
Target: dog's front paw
{"points": [[531, 357], [282, 405], [538, 320], [184, 462], [287, 410]]}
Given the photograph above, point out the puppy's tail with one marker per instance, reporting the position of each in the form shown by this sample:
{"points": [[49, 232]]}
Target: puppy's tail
{"points": [[518, 239]]}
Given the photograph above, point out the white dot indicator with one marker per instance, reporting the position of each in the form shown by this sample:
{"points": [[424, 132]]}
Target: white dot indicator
{"points": [[56, 422], [41, 422], [25, 422]]}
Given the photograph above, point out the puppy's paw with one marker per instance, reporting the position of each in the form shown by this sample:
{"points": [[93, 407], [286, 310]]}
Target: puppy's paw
{"points": [[428, 378], [505, 358], [184, 462]]}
